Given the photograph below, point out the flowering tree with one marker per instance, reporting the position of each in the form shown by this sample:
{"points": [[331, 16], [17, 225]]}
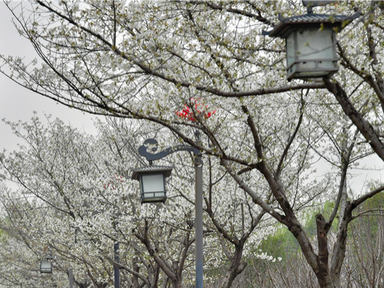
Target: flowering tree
{"points": [[67, 204], [146, 59]]}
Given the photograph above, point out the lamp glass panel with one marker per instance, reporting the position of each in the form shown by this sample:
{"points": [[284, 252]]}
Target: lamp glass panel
{"points": [[311, 53], [315, 45], [153, 183], [45, 266], [290, 48]]}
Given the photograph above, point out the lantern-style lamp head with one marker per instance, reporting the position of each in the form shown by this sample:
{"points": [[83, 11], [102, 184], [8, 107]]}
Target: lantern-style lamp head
{"points": [[152, 182], [311, 43], [46, 265]]}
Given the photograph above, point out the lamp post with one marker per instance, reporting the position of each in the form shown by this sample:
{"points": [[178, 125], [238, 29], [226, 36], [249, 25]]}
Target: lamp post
{"points": [[70, 277], [116, 267], [157, 179], [310, 41]]}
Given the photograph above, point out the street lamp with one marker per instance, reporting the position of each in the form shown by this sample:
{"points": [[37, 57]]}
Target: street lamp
{"points": [[154, 181], [311, 41], [46, 264]]}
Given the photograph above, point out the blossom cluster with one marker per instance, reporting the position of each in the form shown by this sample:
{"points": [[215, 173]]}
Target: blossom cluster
{"points": [[200, 109]]}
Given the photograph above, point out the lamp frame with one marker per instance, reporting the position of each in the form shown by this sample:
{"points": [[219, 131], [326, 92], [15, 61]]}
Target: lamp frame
{"points": [[152, 196], [322, 66], [46, 260], [316, 66]]}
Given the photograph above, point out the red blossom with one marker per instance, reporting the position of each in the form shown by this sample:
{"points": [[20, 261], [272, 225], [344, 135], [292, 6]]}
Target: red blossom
{"points": [[114, 182], [200, 108]]}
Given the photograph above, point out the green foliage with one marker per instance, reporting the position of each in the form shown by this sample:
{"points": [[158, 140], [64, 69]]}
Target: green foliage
{"points": [[369, 220], [282, 244], [2, 235], [375, 202], [310, 219]]}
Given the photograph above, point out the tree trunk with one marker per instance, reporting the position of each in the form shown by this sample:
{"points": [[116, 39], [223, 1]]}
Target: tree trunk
{"points": [[177, 283], [339, 248], [356, 117], [136, 268], [236, 267], [322, 273]]}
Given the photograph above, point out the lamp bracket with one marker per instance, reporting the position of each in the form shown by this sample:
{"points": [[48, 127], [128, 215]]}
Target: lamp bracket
{"points": [[152, 144]]}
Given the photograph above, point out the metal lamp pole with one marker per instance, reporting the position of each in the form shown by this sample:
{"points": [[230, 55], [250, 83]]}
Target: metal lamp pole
{"points": [[70, 277], [199, 220], [143, 151], [116, 267]]}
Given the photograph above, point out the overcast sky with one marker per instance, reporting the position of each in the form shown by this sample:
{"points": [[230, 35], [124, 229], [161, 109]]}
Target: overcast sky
{"points": [[17, 103]]}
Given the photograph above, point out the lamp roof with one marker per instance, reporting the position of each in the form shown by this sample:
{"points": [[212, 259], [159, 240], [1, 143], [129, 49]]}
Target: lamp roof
{"points": [[314, 3], [286, 25], [151, 170]]}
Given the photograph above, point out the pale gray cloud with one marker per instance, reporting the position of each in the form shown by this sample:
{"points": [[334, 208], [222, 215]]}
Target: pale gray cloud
{"points": [[16, 102]]}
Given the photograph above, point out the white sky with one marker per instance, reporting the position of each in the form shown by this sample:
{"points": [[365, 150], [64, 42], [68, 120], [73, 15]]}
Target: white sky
{"points": [[18, 103]]}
